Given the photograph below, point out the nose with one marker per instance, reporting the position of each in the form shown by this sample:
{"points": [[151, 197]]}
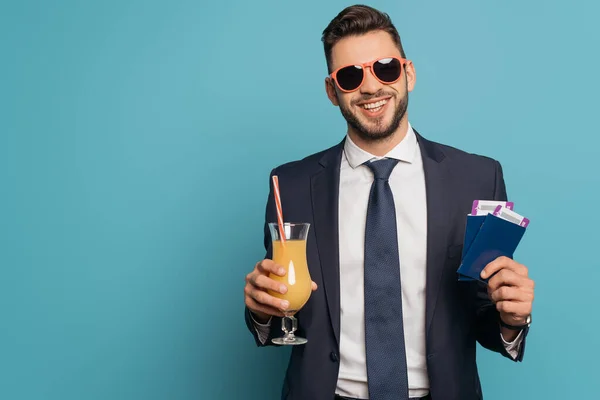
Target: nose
{"points": [[371, 84]]}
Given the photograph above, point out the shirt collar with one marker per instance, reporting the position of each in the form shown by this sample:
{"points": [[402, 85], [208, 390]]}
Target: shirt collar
{"points": [[404, 151]]}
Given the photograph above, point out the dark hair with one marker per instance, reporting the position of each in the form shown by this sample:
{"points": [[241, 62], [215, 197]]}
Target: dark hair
{"points": [[357, 20]]}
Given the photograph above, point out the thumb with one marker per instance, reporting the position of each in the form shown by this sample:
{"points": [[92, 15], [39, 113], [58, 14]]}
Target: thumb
{"points": [[314, 286]]}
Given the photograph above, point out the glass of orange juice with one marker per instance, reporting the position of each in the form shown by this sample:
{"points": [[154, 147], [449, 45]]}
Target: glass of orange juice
{"points": [[290, 253]]}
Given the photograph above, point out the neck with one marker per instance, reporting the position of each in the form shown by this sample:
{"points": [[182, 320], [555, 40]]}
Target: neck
{"points": [[381, 147]]}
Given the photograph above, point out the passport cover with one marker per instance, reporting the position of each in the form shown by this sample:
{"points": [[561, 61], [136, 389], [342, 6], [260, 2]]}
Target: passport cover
{"points": [[496, 237], [474, 223]]}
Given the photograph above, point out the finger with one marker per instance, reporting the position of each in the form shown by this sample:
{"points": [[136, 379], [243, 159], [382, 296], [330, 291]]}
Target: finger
{"points": [[253, 305], [503, 263], [265, 283], [516, 308], [509, 293], [266, 299], [267, 266], [314, 286], [507, 277]]}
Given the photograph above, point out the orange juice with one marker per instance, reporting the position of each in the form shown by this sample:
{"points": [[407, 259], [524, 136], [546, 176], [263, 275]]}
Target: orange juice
{"points": [[291, 255]]}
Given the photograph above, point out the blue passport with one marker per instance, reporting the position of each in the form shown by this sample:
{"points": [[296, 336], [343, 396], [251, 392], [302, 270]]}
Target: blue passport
{"points": [[487, 237], [472, 229]]}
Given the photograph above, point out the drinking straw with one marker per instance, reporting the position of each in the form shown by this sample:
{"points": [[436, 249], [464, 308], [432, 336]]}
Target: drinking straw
{"points": [[279, 209]]}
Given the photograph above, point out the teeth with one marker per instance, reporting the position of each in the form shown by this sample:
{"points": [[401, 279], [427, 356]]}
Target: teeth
{"points": [[378, 104]]}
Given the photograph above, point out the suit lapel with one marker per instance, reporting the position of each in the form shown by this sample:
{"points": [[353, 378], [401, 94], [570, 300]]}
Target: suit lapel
{"points": [[324, 194], [437, 221]]}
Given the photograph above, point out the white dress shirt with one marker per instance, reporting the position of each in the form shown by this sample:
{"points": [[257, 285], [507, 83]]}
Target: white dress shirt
{"points": [[407, 182]]}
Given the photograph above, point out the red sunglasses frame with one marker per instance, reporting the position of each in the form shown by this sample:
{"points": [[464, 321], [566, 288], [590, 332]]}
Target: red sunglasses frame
{"points": [[364, 66]]}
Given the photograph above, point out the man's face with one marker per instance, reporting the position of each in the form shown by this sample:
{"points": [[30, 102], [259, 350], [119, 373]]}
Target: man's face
{"points": [[373, 111]]}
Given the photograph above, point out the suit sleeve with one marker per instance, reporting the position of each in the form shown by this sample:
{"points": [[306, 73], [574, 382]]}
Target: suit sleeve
{"points": [[274, 325], [486, 315]]}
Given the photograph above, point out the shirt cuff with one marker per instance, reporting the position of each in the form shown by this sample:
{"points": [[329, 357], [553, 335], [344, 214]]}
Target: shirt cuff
{"points": [[262, 330], [513, 347]]}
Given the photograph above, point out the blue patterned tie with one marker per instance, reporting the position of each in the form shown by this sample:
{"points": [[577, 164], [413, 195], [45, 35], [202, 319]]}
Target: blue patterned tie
{"points": [[384, 329]]}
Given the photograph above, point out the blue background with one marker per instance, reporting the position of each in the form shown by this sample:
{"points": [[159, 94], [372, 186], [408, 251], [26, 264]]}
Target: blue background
{"points": [[136, 142]]}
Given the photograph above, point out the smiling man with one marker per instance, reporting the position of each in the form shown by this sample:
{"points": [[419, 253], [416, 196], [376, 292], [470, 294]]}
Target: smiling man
{"points": [[387, 318]]}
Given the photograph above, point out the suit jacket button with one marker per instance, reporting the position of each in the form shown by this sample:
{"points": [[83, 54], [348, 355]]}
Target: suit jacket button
{"points": [[334, 357]]}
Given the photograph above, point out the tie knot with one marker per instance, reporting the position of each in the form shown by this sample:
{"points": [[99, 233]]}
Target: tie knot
{"points": [[382, 169]]}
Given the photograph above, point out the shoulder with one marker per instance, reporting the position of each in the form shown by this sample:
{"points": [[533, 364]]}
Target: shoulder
{"points": [[472, 159], [309, 164], [468, 171], [463, 160]]}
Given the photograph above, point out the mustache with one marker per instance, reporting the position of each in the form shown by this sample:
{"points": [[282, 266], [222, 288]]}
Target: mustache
{"points": [[367, 97]]}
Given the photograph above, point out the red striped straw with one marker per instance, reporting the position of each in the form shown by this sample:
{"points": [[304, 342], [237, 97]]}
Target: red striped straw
{"points": [[279, 210]]}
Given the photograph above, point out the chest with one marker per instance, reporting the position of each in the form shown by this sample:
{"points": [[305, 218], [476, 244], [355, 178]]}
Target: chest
{"points": [[407, 184]]}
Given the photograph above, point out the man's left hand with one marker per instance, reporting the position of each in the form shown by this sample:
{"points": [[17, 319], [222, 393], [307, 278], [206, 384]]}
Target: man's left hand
{"points": [[510, 289]]}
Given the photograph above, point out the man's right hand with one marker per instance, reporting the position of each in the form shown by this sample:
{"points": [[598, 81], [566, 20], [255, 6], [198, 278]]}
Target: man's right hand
{"points": [[256, 297]]}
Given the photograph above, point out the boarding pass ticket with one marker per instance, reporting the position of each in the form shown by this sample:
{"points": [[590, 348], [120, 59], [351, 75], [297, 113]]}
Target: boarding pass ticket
{"points": [[511, 216], [501, 209], [484, 207]]}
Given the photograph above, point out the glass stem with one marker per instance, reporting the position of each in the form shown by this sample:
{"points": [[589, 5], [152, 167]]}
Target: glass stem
{"points": [[289, 332]]}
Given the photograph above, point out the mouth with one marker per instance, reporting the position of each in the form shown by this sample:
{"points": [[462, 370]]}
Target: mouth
{"points": [[374, 108]]}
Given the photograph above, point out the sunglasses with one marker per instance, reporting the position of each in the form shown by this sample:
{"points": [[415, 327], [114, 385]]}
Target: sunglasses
{"points": [[387, 70]]}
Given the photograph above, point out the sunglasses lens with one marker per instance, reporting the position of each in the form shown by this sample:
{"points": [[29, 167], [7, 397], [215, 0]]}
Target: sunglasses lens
{"points": [[387, 69], [349, 78]]}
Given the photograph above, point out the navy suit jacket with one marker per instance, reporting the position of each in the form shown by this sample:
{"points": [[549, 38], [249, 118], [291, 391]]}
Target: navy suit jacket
{"points": [[458, 314]]}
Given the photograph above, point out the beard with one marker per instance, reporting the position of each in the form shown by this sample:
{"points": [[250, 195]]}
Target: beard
{"points": [[379, 131]]}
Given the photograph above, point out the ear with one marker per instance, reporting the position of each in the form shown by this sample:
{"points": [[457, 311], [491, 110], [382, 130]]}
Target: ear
{"points": [[411, 75], [330, 89]]}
